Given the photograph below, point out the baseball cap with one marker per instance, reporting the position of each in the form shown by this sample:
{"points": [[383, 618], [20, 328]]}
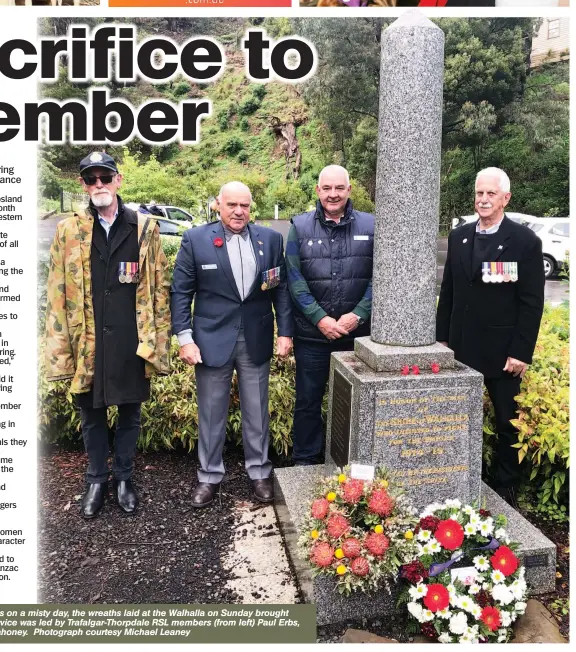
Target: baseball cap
{"points": [[98, 160]]}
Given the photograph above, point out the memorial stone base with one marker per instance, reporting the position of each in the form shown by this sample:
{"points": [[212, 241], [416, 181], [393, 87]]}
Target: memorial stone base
{"points": [[294, 488]]}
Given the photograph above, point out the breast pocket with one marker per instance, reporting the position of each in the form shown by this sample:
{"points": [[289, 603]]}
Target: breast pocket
{"points": [[362, 245]]}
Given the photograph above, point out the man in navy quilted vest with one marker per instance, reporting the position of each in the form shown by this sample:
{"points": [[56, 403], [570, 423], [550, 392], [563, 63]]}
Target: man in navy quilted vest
{"points": [[329, 263]]}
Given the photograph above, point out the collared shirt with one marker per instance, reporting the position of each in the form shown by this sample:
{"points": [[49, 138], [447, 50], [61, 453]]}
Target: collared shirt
{"points": [[229, 234], [107, 225], [491, 230]]}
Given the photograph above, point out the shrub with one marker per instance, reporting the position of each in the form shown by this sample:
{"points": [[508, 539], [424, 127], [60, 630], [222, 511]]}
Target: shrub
{"points": [[543, 416], [242, 156], [233, 145], [244, 124], [249, 105]]}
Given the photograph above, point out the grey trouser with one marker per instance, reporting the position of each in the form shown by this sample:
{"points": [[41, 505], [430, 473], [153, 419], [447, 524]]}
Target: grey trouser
{"points": [[213, 392]]}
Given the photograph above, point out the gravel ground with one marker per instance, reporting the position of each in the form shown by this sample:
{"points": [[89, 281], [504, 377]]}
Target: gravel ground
{"points": [[167, 553]]}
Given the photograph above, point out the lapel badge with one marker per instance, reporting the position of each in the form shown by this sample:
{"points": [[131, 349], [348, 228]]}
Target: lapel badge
{"points": [[261, 253], [260, 243], [310, 243], [465, 241]]}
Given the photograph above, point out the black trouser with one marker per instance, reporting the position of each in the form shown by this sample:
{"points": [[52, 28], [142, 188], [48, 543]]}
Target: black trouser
{"points": [[312, 372], [95, 434], [502, 392]]}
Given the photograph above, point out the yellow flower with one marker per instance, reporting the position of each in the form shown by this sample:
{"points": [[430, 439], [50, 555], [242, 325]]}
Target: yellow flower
{"points": [[384, 483], [339, 553], [341, 478], [409, 535], [331, 497], [341, 570], [378, 529], [314, 534]]}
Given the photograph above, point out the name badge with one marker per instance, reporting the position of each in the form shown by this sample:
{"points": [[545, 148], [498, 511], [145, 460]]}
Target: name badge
{"points": [[209, 266], [361, 237]]}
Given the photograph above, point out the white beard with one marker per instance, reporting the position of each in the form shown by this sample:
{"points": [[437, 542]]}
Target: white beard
{"points": [[102, 199]]}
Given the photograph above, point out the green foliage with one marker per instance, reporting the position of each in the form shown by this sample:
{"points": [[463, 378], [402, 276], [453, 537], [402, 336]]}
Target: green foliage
{"points": [[249, 105], [233, 145], [543, 417]]}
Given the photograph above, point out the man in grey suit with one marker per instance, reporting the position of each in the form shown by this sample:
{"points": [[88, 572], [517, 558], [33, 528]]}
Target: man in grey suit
{"points": [[235, 273]]}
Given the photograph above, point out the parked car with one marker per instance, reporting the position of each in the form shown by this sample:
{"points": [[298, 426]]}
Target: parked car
{"points": [[173, 213], [555, 235], [170, 227]]}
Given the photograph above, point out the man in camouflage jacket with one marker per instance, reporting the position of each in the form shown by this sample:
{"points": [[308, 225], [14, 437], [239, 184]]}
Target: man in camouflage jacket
{"points": [[107, 323]]}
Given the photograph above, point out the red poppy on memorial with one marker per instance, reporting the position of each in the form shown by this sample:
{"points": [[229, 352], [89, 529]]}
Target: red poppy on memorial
{"points": [[435, 367], [415, 369], [405, 370], [218, 242]]}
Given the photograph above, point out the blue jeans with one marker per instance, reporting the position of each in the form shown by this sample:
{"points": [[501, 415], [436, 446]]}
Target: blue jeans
{"points": [[312, 372]]}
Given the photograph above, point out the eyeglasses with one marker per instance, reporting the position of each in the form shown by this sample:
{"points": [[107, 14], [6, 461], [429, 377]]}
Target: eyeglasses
{"points": [[105, 178]]}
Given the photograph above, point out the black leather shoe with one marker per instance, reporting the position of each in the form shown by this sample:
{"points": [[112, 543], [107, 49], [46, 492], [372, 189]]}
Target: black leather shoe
{"points": [[93, 499], [509, 495], [263, 490], [204, 494], [125, 495]]}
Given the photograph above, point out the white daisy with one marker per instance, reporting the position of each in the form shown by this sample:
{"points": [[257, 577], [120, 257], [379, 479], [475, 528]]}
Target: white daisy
{"points": [[415, 610], [475, 518], [468, 509], [424, 535], [474, 589], [444, 613], [497, 576], [465, 639], [444, 638], [481, 563], [476, 611], [501, 636], [434, 546], [466, 603], [419, 550], [486, 527], [470, 530], [520, 607], [500, 533], [486, 586], [418, 591], [458, 623], [427, 616], [453, 503], [454, 517]]}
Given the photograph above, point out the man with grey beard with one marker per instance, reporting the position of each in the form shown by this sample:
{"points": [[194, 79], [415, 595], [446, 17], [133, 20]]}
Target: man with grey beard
{"points": [[107, 324]]}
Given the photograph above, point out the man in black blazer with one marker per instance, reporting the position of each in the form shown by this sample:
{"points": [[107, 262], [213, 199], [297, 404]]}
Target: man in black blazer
{"points": [[490, 307], [234, 272]]}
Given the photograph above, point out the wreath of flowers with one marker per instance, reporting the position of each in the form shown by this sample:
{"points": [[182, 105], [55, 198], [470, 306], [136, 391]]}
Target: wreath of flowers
{"points": [[465, 583], [354, 531]]}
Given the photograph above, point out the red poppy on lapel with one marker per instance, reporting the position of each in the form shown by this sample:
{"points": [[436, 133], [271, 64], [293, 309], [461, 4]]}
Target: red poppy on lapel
{"points": [[218, 242]]}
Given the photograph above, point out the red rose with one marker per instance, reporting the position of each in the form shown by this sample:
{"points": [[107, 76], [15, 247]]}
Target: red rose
{"points": [[377, 544], [351, 547], [337, 525], [320, 508], [435, 367], [490, 616], [504, 560], [352, 491], [360, 567], [322, 554], [415, 369], [405, 370], [218, 242], [449, 534], [437, 597]]}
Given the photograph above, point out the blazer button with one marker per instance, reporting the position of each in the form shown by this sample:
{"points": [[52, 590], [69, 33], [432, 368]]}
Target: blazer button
{"points": [[107, 293], [106, 329], [101, 257]]}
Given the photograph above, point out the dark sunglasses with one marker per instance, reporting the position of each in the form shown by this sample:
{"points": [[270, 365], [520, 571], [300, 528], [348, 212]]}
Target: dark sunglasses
{"points": [[105, 178]]}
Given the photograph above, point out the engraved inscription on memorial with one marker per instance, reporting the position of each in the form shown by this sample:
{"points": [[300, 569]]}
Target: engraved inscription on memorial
{"points": [[340, 428], [536, 561], [422, 437]]}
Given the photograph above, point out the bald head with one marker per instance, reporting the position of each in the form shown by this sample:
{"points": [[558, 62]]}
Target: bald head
{"points": [[234, 201], [233, 187], [331, 171]]}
